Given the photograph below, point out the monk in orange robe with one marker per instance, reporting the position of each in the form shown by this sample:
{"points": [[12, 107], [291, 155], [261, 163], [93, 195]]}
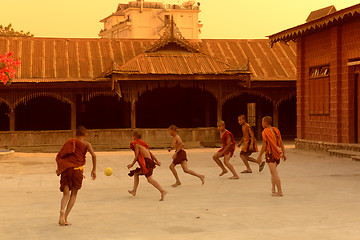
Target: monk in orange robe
{"points": [[70, 161], [147, 162], [227, 151], [272, 142], [249, 145]]}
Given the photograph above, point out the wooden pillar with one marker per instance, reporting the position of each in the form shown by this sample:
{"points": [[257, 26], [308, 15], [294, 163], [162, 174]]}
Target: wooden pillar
{"points": [[133, 113], [73, 113], [12, 118], [275, 115], [219, 110], [259, 119]]}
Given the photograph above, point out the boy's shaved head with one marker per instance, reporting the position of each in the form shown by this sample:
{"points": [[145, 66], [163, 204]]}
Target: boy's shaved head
{"points": [[268, 120], [221, 123], [137, 134], [242, 116], [173, 127], [81, 131]]}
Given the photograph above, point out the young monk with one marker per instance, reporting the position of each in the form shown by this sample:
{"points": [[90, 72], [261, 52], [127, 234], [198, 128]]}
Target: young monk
{"points": [[147, 162], [70, 161], [272, 141], [179, 157], [249, 145], [227, 151]]}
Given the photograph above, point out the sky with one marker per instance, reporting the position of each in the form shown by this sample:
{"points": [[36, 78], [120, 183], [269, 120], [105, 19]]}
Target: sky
{"points": [[221, 18]]}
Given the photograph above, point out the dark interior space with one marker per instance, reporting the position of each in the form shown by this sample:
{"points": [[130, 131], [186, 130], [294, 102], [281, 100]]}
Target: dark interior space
{"points": [[4, 117], [237, 106], [43, 113], [103, 112], [184, 107], [287, 118]]}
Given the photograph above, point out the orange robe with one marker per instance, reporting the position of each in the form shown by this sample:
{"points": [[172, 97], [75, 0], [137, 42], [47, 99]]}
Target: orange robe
{"points": [[247, 141], [273, 141], [146, 165], [224, 140], [71, 155]]}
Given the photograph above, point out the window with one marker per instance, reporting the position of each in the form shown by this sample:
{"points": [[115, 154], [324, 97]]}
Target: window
{"points": [[251, 114], [319, 90]]}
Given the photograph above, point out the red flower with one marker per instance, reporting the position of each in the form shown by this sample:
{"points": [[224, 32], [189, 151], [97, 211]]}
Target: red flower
{"points": [[7, 67]]}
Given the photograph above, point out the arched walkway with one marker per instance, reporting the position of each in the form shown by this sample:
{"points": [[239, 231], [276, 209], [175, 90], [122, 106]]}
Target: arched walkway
{"points": [[4, 117], [184, 107], [43, 113], [103, 112], [287, 118], [243, 105]]}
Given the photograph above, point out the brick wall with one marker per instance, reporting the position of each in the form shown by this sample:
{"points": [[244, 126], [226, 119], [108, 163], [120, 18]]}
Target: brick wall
{"points": [[334, 46]]}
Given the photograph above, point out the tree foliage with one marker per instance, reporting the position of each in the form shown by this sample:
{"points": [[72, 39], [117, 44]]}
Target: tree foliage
{"points": [[9, 31]]}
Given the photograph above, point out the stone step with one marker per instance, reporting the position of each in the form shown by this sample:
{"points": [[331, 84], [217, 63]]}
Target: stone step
{"points": [[344, 153], [356, 158]]}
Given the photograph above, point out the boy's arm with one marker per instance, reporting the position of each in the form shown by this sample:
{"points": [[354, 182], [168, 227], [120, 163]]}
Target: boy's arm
{"points": [[228, 146], [93, 156], [137, 152], [172, 145], [263, 148], [241, 141], [180, 144], [155, 159], [283, 150]]}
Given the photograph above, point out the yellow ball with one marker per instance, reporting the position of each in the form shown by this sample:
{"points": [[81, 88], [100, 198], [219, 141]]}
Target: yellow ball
{"points": [[108, 171]]}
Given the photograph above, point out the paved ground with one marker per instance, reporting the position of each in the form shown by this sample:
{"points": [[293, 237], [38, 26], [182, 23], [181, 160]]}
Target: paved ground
{"points": [[322, 201]]}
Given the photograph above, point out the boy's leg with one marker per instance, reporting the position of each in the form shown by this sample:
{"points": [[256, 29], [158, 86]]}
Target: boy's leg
{"points": [[173, 170], [70, 204], [64, 201], [191, 172], [275, 179], [216, 158], [230, 166], [136, 184], [153, 182], [245, 160]]}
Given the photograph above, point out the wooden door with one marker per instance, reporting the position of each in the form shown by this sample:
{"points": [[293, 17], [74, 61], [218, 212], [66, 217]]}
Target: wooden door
{"points": [[357, 110]]}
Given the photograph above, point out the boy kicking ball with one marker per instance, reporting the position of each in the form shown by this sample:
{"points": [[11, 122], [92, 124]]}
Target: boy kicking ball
{"points": [[179, 157], [272, 142]]}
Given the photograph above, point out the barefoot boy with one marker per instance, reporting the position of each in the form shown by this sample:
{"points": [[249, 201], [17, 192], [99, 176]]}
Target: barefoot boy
{"points": [[272, 141], [147, 162], [227, 151], [249, 145], [70, 161], [179, 157]]}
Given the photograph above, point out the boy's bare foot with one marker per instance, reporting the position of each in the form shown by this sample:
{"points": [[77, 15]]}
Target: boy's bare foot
{"points": [[234, 177], [62, 218], [261, 166], [223, 172], [132, 192], [67, 223], [163, 195], [202, 178], [176, 184], [277, 194], [246, 171]]}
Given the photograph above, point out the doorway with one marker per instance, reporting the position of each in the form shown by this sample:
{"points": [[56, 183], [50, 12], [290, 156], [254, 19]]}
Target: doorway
{"points": [[357, 107]]}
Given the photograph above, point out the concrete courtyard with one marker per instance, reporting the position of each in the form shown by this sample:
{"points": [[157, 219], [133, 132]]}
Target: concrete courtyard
{"points": [[321, 200]]}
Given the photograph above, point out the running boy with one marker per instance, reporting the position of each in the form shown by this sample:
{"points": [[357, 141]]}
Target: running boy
{"points": [[70, 161], [249, 145], [227, 151], [147, 162], [179, 157], [272, 141]]}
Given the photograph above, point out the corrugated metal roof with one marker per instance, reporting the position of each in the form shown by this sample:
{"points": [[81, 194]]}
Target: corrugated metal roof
{"points": [[317, 24], [61, 59]]}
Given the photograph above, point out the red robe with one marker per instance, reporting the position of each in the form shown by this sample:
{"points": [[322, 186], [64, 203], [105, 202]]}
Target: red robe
{"points": [[71, 155], [141, 159], [224, 140], [273, 141]]}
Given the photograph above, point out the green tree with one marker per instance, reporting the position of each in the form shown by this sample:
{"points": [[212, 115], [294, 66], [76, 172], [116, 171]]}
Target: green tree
{"points": [[9, 31]]}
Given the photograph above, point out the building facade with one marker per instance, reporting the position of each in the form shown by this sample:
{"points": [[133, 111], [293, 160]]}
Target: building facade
{"points": [[328, 87], [112, 86], [139, 19]]}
